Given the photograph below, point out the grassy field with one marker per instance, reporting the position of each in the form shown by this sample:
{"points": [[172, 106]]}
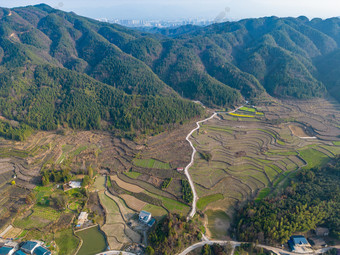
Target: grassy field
{"points": [[336, 143], [93, 241], [151, 163], [218, 223], [133, 175], [248, 109], [99, 183], [313, 157], [263, 193], [156, 211], [78, 151], [41, 217], [230, 131], [280, 142], [45, 212], [204, 201], [108, 203], [67, 242], [42, 193], [172, 205]]}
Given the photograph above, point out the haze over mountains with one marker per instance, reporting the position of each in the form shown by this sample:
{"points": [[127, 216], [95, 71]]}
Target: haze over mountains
{"points": [[60, 69]]}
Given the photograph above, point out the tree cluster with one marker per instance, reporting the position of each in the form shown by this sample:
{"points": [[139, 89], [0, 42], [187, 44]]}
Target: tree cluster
{"points": [[312, 200]]}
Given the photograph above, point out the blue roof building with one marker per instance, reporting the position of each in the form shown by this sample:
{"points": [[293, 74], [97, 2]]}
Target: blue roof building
{"points": [[41, 251], [151, 222], [144, 216], [19, 253], [29, 247], [6, 250], [299, 244]]}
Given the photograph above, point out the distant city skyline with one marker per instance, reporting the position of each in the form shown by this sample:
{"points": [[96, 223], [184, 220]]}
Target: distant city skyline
{"points": [[189, 9]]}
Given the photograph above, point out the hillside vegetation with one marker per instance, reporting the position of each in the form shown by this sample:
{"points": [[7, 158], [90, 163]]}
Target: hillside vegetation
{"points": [[61, 69], [313, 200]]}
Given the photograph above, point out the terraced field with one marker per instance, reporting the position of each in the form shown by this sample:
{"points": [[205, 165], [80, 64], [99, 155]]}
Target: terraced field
{"points": [[74, 150], [252, 155], [117, 215]]}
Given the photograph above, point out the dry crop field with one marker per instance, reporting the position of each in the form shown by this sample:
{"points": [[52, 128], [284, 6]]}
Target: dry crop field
{"points": [[254, 154]]}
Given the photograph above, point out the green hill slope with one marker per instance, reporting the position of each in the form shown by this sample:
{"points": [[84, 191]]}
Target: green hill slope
{"points": [[42, 50]]}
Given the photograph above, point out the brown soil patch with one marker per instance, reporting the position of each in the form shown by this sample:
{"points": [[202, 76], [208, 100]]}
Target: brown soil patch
{"points": [[151, 179], [133, 203], [126, 186], [13, 233], [298, 131]]}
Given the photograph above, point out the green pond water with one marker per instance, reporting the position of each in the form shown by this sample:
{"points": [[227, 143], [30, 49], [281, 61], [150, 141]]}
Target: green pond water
{"points": [[93, 241]]}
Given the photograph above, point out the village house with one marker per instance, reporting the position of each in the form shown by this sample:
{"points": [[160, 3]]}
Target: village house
{"points": [[144, 217], [151, 222], [19, 253], [72, 185], [7, 250], [299, 244], [82, 219], [41, 251], [29, 247]]}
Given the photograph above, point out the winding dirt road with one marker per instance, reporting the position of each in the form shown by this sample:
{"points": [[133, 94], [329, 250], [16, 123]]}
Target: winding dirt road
{"points": [[186, 170]]}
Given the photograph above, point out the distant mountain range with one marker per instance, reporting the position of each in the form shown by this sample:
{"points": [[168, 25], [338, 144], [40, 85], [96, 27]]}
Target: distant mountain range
{"points": [[61, 69]]}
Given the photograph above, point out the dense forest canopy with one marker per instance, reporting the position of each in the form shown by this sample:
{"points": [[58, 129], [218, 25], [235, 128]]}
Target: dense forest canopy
{"points": [[312, 200], [49, 98], [61, 69]]}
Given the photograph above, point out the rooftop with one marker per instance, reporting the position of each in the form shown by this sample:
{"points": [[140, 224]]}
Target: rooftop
{"points": [[41, 251], [29, 245], [299, 244], [5, 250], [151, 222], [82, 216], [19, 253], [299, 240], [144, 216]]}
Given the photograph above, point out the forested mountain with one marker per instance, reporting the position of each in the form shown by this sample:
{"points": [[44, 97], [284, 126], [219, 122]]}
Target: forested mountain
{"points": [[58, 68]]}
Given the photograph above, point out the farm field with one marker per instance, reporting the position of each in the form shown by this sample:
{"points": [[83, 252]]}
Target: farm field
{"points": [[254, 159], [117, 214], [170, 204], [93, 241], [218, 223], [133, 175], [151, 163], [40, 217], [254, 153], [67, 242]]}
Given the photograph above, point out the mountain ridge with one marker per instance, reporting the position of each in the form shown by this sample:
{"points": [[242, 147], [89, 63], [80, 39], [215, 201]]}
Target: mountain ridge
{"points": [[217, 65]]}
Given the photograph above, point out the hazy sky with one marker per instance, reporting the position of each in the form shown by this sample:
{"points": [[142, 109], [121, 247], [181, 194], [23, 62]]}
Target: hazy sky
{"points": [[172, 9]]}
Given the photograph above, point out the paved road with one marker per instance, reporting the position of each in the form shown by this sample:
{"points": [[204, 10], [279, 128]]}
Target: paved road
{"points": [[186, 171], [115, 253], [234, 244], [210, 242], [281, 251]]}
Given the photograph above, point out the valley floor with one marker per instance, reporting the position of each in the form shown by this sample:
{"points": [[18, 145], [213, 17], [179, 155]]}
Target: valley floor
{"points": [[249, 154]]}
